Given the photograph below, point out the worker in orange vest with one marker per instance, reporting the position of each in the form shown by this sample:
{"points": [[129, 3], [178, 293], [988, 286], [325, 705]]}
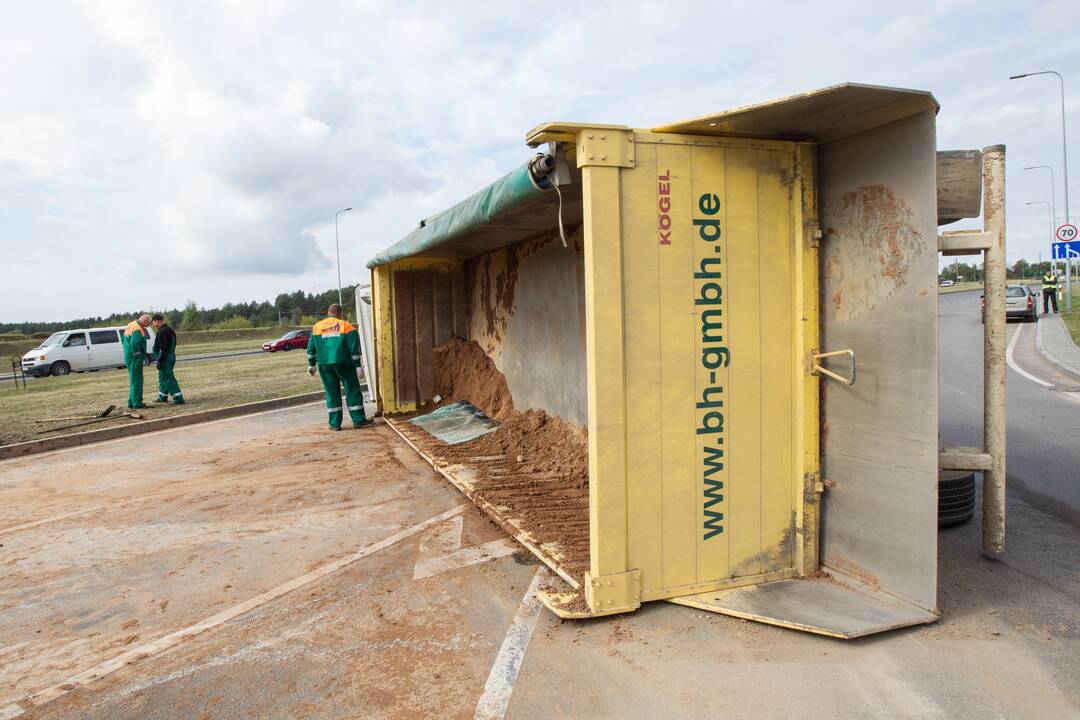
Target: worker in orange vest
{"points": [[334, 348], [134, 342]]}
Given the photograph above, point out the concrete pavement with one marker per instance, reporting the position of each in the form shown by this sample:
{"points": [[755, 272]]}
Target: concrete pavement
{"points": [[1052, 339], [103, 559]]}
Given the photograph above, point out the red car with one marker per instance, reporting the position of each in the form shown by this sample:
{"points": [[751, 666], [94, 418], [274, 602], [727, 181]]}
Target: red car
{"points": [[288, 341]]}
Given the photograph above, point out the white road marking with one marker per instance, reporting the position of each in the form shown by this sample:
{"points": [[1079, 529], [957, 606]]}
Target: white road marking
{"points": [[27, 526], [500, 683], [440, 550], [164, 643], [1016, 368]]}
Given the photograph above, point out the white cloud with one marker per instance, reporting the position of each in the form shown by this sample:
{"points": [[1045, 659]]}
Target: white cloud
{"points": [[152, 152]]}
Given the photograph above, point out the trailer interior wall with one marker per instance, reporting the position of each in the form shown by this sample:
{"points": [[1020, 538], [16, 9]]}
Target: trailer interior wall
{"points": [[879, 297], [526, 309]]}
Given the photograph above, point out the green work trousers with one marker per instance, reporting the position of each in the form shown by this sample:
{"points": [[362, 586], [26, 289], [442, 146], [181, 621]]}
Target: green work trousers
{"points": [[135, 378], [333, 377], [166, 381]]}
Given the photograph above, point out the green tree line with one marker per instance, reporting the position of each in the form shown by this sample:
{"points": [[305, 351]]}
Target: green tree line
{"points": [[287, 309], [1020, 270]]}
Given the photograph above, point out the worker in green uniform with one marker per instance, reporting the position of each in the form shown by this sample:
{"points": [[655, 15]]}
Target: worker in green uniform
{"points": [[165, 352], [1050, 286], [334, 349], [134, 343]]}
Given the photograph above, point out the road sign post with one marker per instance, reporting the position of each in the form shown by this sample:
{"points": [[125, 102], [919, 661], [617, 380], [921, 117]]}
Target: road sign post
{"points": [[1067, 247]]}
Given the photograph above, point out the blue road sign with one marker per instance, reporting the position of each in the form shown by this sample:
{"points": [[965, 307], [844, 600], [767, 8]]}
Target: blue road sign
{"points": [[1063, 250]]}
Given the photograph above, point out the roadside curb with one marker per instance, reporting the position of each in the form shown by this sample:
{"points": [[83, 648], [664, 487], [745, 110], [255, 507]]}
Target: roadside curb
{"points": [[31, 447], [1072, 370]]}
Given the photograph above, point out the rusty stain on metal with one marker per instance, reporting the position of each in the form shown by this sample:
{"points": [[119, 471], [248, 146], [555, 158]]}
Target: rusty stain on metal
{"points": [[850, 567], [878, 237], [779, 555]]}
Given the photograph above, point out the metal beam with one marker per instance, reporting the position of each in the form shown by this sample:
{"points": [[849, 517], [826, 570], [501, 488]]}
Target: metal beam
{"points": [[993, 523], [964, 242], [964, 458]]}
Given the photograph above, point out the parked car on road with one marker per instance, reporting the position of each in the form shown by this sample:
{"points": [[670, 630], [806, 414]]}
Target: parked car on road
{"points": [[71, 351], [947, 283], [288, 341], [1020, 301]]}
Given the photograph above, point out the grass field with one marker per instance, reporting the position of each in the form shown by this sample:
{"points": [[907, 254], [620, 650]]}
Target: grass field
{"points": [[206, 385], [1072, 320], [195, 342]]}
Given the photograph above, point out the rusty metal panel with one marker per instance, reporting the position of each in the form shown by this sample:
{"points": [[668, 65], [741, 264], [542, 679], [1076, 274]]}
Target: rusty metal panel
{"points": [[459, 301], [404, 337], [425, 335], [444, 311], [879, 298], [526, 309]]}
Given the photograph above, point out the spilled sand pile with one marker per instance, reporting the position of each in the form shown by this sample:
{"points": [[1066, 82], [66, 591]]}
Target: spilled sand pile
{"points": [[535, 465], [463, 371]]}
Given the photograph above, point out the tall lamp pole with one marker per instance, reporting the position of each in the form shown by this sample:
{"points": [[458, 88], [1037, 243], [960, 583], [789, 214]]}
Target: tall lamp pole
{"points": [[337, 249], [1065, 167], [1050, 212], [1053, 201]]}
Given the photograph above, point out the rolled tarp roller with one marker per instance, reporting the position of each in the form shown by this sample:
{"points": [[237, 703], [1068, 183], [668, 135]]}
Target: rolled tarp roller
{"points": [[513, 190]]}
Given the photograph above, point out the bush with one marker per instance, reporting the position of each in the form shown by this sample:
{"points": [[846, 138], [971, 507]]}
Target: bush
{"points": [[191, 320], [234, 323]]}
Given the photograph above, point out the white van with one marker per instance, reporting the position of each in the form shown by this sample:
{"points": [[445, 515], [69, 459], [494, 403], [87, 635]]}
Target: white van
{"points": [[71, 351]]}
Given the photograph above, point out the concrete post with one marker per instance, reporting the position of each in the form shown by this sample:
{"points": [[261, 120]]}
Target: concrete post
{"points": [[993, 516]]}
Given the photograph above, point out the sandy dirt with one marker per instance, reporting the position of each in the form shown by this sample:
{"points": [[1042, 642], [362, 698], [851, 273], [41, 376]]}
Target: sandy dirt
{"points": [[463, 371], [534, 468], [137, 539], [173, 528]]}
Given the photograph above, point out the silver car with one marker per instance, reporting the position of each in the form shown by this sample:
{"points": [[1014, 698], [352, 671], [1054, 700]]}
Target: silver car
{"points": [[1020, 302]]}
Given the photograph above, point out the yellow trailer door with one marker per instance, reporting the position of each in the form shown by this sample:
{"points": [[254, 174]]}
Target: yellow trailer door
{"points": [[715, 328]]}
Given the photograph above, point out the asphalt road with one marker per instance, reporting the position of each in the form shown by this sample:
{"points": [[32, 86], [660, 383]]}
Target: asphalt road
{"points": [[266, 570], [180, 359], [1043, 454]]}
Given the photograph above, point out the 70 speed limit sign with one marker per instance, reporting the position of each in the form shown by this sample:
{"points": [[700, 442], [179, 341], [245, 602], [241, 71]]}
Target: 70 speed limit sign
{"points": [[1066, 233]]}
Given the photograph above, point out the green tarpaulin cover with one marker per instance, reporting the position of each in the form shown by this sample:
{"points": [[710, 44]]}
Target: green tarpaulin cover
{"points": [[505, 194]]}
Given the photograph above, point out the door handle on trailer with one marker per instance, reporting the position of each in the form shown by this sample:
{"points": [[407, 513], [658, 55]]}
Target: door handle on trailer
{"points": [[819, 370]]}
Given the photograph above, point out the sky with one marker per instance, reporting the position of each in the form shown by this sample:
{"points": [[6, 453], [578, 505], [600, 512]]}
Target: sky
{"points": [[157, 152]]}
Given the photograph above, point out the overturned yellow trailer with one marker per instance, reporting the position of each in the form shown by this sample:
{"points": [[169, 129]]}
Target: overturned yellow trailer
{"points": [[699, 296]]}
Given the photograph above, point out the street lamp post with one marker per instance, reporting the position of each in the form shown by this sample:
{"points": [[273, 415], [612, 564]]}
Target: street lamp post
{"points": [[1065, 168], [1050, 212], [337, 249], [1053, 201]]}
